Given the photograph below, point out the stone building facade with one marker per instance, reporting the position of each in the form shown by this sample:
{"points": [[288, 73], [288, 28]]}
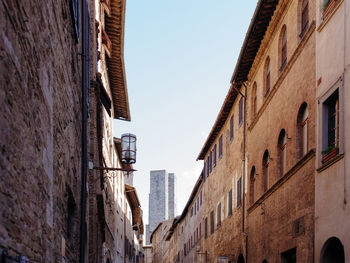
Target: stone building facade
{"points": [[63, 84], [40, 131], [162, 202], [272, 191], [332, 177]]}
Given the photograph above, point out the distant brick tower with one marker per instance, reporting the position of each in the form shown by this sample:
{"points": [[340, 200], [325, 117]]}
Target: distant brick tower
{"points": [[161, 204]]}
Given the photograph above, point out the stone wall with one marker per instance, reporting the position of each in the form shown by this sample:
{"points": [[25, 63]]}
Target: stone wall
{"points": [[40, 118]]}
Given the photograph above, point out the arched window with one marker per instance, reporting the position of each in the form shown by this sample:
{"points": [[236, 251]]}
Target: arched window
{"points": [[252, 185], [254, 100], [282, 141], [267, 76], [283, 47], [266, 171], [332, 251], [304, 16], [302, 129]]}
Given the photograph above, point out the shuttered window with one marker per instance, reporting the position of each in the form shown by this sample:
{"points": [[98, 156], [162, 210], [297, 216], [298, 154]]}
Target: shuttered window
{"points": [[211, 222]]}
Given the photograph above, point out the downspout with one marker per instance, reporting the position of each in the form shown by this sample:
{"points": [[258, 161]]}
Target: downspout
{"points": [[85, 87]]}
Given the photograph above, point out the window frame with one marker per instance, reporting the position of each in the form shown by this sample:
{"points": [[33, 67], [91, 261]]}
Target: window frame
{"points": [[240, 116], [214, 156], [266, 170], [304, 25], [267, 76], [229, 203], [282, 143], [218, 215], [220, 147], [338, 86], [239, 192], [252, 187], [212, 223], [283, 48]]}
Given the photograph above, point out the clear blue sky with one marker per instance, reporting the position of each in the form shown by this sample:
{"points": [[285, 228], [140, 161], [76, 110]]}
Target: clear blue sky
{"points": [[179, 57]]}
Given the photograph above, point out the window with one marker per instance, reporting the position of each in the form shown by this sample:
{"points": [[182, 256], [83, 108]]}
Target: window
{"points": [[282, 141], [211, 162], [208, 166], [206, 227], [200, 230], [201, 198], [218, 215], [211, 222], [304, 17], [75, 16], [214, 157], [289, 256], [283, 47], [192, 211], [231, 129], [254, 100], [240, 112], [302, 129], [220, 147], [331, 123], [252, 185], [267, 76], [239, 192], [230, 203], [266, 171]]}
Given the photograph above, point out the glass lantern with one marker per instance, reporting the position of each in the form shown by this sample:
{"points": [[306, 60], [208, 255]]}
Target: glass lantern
{"points": [[128, 148]]}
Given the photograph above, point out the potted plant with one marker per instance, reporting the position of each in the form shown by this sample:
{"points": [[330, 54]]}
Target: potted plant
{"points": [[329, 153]]}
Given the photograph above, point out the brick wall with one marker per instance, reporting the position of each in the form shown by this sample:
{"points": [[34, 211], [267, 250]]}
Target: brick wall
{"points": [[40, 130]]}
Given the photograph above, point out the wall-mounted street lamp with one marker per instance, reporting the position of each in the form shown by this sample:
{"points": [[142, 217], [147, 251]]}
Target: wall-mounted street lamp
{"points": [[128, 143], [128, 148]]}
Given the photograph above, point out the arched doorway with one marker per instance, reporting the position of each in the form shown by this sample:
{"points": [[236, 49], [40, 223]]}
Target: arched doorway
{"points": [[240, 259], [332, 251]]}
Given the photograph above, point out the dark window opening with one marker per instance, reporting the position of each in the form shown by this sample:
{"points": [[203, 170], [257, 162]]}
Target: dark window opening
{"points": [[289, 256], [239, 192], [219, 215], [230, 203], [211, 222]]}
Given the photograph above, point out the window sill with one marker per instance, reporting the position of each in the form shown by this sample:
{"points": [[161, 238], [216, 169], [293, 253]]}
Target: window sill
{"points": [[330, 162], [329, 15]]}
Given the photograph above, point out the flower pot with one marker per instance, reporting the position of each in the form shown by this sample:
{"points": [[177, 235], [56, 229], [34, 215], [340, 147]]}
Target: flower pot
{"points": [[330, 155]]}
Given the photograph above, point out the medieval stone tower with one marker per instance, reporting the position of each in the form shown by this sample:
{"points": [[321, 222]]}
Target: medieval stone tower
{"points": [[162, 205]]}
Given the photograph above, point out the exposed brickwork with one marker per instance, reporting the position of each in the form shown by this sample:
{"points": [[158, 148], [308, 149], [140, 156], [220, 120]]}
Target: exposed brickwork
{"points": [[40, 130]]}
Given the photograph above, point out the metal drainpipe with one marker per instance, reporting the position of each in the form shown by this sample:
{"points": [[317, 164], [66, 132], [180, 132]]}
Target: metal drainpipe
{"points": [[85, 85]]}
